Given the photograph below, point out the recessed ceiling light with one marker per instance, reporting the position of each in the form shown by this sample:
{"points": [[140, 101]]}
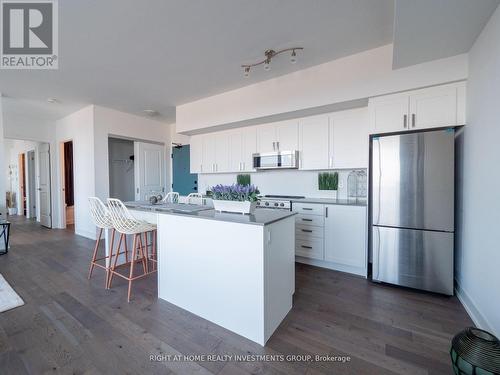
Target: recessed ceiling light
{"points": [[150, 112], [52, 100]]}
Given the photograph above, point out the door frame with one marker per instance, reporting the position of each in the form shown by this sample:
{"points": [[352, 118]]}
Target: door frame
{"points": [[62, 184], [31, 183]]}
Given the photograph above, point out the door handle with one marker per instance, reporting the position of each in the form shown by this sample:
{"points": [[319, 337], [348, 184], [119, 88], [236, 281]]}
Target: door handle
{"points": [[412, 120], [307, 208], [278, 145], [274, 146], [405, 121], [326, 211]]}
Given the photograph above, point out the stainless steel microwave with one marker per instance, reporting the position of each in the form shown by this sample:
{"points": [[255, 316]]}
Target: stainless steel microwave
{"points": [[276, 160]]}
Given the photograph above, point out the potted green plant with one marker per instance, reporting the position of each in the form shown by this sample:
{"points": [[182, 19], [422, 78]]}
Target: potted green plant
{"points": [[235, 198], [329, 181]]}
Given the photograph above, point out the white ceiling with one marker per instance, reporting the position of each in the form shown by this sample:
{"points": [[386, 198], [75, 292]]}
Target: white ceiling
{"points": [[426, 30], [133, 55]]}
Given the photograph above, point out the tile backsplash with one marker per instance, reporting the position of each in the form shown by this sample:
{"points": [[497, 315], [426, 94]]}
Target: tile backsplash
{"points": [[281, 182]]}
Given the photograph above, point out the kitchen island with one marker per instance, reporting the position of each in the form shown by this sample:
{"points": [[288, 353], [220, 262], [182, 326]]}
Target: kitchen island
{"points": [[237, 271]]}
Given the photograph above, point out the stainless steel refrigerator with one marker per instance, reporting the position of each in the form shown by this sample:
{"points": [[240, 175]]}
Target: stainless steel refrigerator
{"points": [[412, 217]]}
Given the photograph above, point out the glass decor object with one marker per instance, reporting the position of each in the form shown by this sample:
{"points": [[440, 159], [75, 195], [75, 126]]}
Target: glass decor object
{"points": [[475, 351]]}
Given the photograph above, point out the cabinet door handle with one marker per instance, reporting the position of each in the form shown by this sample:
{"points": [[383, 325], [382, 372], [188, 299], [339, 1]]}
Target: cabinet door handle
{"points": [[274, 146], [307, 208], [412, 120], [306, 230], [405, 121], [306, 219], [330, 162], [278, 145], [306, 247], [326, 211]]}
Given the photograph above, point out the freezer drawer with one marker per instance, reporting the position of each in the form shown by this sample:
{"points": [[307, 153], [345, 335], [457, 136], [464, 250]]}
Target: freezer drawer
{"points": [[413, 258]]}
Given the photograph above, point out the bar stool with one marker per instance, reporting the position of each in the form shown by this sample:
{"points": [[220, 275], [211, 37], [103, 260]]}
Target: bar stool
{"points": [[171, 197], [126, 224], [100, 215], [195, 198]]}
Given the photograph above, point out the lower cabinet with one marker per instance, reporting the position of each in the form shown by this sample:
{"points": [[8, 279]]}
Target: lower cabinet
{"points": [[345, 235], [331, 236]]}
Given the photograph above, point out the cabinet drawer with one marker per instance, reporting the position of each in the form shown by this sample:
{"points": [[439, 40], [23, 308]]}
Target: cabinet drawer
{"points": [[308, 208], [313, 220], [308, 231], [312, 248]]}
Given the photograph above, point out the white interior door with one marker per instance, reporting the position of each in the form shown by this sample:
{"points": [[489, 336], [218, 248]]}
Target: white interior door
{"points": [[44, 185], [149, 170]]}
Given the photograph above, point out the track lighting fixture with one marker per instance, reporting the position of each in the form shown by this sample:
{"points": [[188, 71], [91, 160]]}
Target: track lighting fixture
{"points": [[270, 54]]}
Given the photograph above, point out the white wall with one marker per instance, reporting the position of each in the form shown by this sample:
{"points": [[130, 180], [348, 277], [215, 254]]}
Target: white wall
{"points": [[27, 128], [478, 247], [284, 182], [79, 127], [176, 137], [354, 77], [115, 123]]}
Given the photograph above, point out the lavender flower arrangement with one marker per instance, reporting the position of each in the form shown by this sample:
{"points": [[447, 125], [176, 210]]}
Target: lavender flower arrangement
{"points": [[235, 192]]}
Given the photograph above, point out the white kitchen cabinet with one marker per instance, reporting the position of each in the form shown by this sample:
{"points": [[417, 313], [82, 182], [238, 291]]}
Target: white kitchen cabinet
{"points": [[242, 145], [389, 113], [314, 142], [249, 147], [222, 152], [208, 153], [345, 235], [287, 133], [432, 107], [266, 138], [196, 153], [283, 135], [349, 139]]}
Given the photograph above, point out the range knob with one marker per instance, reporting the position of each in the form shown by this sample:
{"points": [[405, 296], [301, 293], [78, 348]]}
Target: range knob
{"points": [[267, 203], [282, 205], [258, 203]]}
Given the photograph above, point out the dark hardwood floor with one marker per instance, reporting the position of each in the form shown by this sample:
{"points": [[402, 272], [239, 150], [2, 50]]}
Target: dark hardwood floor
{"points": [[70, 325]]}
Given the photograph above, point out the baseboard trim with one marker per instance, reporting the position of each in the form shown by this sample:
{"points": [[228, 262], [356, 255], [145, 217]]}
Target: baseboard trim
{"points": [[87, 234], [479, 320], [332, 266]]}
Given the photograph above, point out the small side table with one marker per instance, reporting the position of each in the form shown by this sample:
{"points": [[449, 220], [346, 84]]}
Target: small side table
{"points": [[4, 232]]}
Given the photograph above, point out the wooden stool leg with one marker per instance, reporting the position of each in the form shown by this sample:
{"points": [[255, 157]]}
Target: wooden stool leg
{"points": [[94, 256], [146, 250], [126, 250], [114, 266], [108, 273], [134, 253], [108, 261], [141, 254], [153, 248]]}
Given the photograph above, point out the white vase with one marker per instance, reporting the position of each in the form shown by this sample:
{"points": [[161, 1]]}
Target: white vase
{"points": [[244, 207]]}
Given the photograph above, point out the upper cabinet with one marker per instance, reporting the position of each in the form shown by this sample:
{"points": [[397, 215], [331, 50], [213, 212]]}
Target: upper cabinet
{"points": [[432, 107], [334, 141], [196, 154], [314, 135], [278, 136], [349, 139], [242, 145]]}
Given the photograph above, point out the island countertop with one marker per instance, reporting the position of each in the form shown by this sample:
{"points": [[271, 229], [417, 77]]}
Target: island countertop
{"points": [[262, 216]]}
